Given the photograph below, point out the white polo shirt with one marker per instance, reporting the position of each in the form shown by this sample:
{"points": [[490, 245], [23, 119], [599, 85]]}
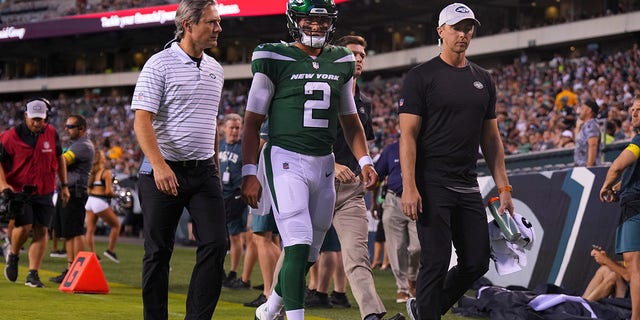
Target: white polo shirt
{"points": [[185, 100]]}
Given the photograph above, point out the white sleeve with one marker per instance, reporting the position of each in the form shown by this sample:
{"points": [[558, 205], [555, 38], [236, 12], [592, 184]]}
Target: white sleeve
{"points": [[260, 94], [347, 104]]}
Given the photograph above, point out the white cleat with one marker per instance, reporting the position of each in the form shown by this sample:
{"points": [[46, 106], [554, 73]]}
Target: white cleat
{"points": [[262, 313]]}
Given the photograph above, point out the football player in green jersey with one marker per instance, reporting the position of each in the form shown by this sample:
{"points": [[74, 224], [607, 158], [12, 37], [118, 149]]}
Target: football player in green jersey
{"points": [[305, 89]]}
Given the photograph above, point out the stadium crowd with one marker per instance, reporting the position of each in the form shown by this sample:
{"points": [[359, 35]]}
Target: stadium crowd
{"points": [[532, 113]]}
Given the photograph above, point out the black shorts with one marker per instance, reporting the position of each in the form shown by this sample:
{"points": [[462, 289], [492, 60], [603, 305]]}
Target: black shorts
{"points": [[38, 211], [68, 221]]}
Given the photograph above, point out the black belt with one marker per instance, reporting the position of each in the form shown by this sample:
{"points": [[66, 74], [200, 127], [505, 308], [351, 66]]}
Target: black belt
{"points": [[191, 163], [397, 194]]}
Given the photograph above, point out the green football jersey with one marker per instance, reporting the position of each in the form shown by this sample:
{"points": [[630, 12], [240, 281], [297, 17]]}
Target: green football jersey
{"points": [[303, 115]]}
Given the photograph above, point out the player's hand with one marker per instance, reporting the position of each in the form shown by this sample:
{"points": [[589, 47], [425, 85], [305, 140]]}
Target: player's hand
{"points": [[411, 203], [599, 255], [369, 177], [65, 195], [607, 195], [374, 209], [251, 190], [166, 180], [506, 203], [344, 174]]}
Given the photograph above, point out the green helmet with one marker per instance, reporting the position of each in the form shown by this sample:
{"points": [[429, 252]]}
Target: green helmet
{"points": [[297, 9]]}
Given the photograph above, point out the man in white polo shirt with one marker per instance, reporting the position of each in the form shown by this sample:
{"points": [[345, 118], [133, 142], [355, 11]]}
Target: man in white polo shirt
{"points": [[176, 103]]}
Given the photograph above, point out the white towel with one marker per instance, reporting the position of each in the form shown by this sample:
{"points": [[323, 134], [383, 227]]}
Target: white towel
{"points": [[510, 257]]}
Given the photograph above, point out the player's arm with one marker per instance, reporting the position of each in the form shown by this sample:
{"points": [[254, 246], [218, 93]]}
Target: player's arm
{"points": [[165, 178], [3, 178], [410, 125], [592, 153], [493, 152], [354, 134], [258, 102], [627, 157]]}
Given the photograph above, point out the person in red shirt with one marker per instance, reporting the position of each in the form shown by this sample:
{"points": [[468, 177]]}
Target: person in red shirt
{"points": [[31, 155]]}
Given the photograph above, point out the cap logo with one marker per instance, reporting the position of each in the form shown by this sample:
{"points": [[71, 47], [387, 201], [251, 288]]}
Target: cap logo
{"points": [[462, 9]]}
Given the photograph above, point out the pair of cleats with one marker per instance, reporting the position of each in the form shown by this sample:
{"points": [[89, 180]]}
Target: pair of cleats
{"points": [[315, 299], [11, 273]]}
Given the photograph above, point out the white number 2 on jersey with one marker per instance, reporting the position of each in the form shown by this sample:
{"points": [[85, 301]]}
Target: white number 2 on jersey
{"points": [[310, 105]]}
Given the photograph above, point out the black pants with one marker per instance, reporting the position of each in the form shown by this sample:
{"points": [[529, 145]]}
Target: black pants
{"points": [[448, 217], [199, 191]]}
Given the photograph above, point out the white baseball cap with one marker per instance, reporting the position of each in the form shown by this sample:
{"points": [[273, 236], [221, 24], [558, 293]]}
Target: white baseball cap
{"points": [[37, 109], [455, 13]]}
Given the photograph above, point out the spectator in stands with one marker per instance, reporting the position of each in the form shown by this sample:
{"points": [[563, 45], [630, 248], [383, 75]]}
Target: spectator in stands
{"points": [[181, 175], [566, 98], [69, 219], [98, 206], [568, 114], [440, 188], [566, 140], [623, 183], [587, 146], [609, 280], [31, 155]]}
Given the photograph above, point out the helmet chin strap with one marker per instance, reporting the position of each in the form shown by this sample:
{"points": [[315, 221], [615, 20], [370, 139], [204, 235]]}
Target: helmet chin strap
{"points": [[313, 41]]}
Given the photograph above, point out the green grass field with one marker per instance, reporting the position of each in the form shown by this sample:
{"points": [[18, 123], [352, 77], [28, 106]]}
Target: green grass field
{"points": [[124, 301]]}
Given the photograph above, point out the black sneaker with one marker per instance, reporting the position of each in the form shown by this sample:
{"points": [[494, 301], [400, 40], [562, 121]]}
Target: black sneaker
{"points": [[259, 287], [317, 300], [412, 309], [59, 278], [11, 270], [398, 316], [111, 255], [257, 302], [238, 284], [339, 299], [33, 280], [226, 281]]}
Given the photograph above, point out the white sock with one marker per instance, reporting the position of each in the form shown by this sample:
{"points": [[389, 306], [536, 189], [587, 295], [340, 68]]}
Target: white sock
{"points": [[274, 304], [297, 314]]}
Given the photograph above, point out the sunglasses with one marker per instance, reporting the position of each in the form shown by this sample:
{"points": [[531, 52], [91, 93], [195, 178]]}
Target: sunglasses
{"points": [[71, 126]]}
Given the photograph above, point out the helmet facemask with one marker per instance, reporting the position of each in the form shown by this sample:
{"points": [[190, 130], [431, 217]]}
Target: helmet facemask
{"points": [[321, 12]]}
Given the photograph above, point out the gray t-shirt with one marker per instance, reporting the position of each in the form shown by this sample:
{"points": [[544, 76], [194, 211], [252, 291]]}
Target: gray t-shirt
{"points": [[589, 129], [81, 153]]}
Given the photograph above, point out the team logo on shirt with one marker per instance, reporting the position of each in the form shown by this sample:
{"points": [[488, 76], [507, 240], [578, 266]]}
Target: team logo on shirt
{"points": [[285, 165], [400, 102], [46, 147], [478, 84], [213, 76], [315, 65]]}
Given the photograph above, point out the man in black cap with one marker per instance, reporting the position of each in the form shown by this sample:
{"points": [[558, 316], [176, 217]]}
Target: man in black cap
{"points": [[587, 151]]}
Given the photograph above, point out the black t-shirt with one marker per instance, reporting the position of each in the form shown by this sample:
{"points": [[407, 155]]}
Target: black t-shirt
{"points": [[341, 150], [454, 104]]}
